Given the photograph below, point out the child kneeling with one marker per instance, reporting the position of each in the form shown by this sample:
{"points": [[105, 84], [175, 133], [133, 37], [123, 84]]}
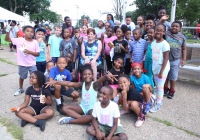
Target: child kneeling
{"points": [[107, 113], [39, 109]]}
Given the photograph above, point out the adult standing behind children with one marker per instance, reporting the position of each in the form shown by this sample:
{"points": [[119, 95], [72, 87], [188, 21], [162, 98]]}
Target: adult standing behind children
{"points": [[28, 49], [130, 24], [13, 32], [68, 45], [54, 44], [67, 24], [110, 19]]}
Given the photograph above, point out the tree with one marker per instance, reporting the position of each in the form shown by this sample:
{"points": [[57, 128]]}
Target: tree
{"points": [[117, 9], [36, 9], [81, 20], [186, 9]]}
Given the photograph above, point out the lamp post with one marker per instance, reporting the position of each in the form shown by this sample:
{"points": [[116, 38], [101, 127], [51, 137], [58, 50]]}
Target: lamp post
{"points": [[173, 11], [77, 15]]}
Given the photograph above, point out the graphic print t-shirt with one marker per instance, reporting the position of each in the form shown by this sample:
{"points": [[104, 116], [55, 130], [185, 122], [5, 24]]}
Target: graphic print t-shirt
{"points": [[106, 115], [35, 96], [60, 76], [67, 46]]}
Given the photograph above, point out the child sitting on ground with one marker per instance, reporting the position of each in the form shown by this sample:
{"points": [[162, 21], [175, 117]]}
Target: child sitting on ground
{"points": [[40, 108], [41, 59], [141, 83], [105, 122], [27, 51], [70, 66], [117, 69], [137, 48], [50, 64], [54, 44], [59, 73], [131, 99], [68, 45], [89, 97]]}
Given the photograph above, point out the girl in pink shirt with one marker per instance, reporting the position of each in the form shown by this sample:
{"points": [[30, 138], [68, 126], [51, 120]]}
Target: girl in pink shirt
{"points": [[84, 32], [109, 38]]}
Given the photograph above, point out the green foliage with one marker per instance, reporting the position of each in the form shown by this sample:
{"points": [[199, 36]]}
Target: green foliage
{"points": [[36, 9], [186, 10], [81, 20]]}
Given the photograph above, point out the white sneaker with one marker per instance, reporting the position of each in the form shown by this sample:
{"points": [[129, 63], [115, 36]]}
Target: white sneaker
{"points": [[18, 92], [139, 122]]}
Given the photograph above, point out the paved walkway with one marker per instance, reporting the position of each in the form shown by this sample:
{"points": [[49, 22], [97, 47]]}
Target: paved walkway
{"points": [[177, 119]]}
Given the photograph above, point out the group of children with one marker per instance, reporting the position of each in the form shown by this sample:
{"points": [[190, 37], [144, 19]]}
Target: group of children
{"points": [[154, 45]]}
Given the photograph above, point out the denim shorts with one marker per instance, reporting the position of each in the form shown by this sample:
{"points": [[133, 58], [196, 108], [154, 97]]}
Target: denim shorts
{"points": [[65, 92], [174, 68], [23, 71]]}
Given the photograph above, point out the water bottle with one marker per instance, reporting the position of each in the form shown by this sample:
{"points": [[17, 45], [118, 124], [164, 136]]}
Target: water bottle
{"points": [[116, 99]]}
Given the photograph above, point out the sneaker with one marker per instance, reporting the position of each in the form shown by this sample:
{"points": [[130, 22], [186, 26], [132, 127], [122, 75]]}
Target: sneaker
{"points": [[166, 91], [147, 107], [92, 138], [171, 93], [65, 120], [41, 124], [139, 122], [59, 109], [18, 92], [155, 108], [23, 123]]}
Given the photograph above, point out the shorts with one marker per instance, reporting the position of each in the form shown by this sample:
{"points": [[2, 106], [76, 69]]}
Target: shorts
{"points": [[85, 109], [23, 71], [106, 129], [37, 110], [54, 59], [149, 95], [174, 68], [65, 92], [114, 86]]}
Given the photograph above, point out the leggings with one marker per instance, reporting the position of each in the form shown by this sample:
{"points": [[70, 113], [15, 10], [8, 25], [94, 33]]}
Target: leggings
{"points": [[160, 87]]}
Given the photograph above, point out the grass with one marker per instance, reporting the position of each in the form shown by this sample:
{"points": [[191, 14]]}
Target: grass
{"points": [[4, 74], [192, 80], [168, 123], [14, 130], [191, 41], [8, 62]]}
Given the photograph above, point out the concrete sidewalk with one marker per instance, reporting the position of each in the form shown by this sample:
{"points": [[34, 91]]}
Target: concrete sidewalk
{"points": [[177, 119]]}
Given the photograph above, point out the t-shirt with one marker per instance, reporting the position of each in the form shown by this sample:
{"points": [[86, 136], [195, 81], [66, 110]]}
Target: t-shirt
{"points": [[99, 31], [35, 96], [105, 41], [119, 52], [67, 46], [112, 23], [60, 76], [129, 44], [55, 41], [46, 75], [70, 66], [84, 36], [114, 72], [137, 48], [106, 115], [157, 56], [176, 41], [144, 79], [41, 57], [13, 32], [22, 59], [133, 95]]}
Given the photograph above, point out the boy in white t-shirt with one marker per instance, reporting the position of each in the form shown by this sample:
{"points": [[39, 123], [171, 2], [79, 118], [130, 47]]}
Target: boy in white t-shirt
{"points": [[27, 51], [105, 122]]}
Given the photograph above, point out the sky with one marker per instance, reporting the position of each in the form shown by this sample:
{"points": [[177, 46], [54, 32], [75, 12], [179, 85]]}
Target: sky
{"points": [[93, 8]]}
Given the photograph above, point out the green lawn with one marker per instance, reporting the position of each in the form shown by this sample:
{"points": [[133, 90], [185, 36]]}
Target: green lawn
{"points": [[191, 41]]}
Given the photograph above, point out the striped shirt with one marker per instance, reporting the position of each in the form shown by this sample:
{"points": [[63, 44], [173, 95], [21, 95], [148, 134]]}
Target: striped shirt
{"points": [[137, 48]]}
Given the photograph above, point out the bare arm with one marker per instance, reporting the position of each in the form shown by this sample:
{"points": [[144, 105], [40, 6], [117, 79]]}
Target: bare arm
{"points": [[26, 102], [184, 53], [49, 51], [31, 52], [125, 103], [63, 83], [48, 100], [74, 59], [131, 60], [114, 128], [7, 37], [102, 37], [61, 53], [98, 131]]}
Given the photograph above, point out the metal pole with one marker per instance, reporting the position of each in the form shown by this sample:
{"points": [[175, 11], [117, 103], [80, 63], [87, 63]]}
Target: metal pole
{"points": [[173, 11], [124, 11]]}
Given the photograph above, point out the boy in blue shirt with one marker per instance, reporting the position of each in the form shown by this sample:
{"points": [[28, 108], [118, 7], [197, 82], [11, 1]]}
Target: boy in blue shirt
{"points": [[141, 83], [59, 73], [41, 59], [54, 44], [138, 47]]}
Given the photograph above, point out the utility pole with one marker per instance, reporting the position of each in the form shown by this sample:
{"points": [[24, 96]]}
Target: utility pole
{"points": [[77, 15], [173, 11]]}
